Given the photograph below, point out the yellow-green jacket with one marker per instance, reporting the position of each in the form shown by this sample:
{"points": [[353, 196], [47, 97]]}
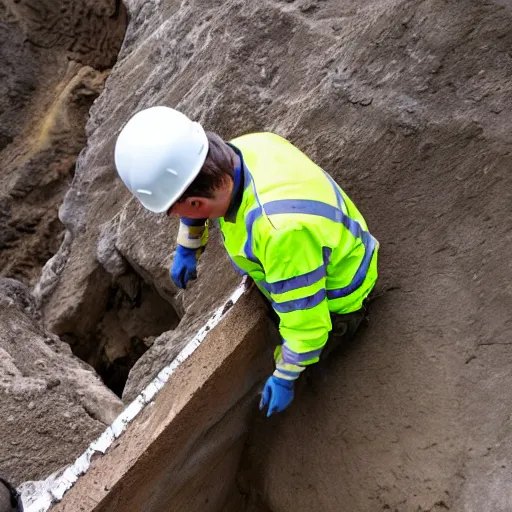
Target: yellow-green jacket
{"points": [[303, 242]]}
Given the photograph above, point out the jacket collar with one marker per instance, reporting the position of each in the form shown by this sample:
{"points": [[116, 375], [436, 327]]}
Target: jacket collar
{"points": [[240, 179]]}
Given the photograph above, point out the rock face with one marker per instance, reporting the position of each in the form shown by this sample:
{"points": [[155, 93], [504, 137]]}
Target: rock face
{"points": [[407, 104], [54, 58], [53, 405]]}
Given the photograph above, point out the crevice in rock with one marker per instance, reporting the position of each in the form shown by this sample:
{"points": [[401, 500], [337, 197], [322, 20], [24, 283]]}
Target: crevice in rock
{"points": [[134, 315]]}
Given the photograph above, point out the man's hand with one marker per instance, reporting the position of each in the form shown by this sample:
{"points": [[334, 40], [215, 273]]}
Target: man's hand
{"points": [[184, 266], [277, 395]]}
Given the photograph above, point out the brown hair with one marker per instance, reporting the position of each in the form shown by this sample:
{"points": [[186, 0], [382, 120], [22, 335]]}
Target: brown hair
{"points": [[218, 165]]}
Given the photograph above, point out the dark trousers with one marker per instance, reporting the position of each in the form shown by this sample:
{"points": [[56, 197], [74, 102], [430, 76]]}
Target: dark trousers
{"points": [[344, 328]]}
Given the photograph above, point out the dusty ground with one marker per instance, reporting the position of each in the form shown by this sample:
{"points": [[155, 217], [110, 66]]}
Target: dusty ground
{"points": [[415, 417]]}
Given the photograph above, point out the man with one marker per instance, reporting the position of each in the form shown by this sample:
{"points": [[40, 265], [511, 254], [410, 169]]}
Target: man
{"points": [[10, 500], [284, 222]]}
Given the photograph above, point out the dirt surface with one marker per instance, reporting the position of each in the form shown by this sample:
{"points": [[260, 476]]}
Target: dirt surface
{"points": [[54, 59], [52, 404], [414, 120]]}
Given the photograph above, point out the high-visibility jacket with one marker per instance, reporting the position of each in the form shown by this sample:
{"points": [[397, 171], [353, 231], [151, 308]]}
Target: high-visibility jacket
{"points": [[303, 242]]}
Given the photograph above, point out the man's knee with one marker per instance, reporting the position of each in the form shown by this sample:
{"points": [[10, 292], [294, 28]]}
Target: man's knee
{"points": [[344, 328]]}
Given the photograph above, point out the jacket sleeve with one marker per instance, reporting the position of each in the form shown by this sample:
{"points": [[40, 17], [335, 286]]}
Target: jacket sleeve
{"points": [[295, 279], [193, 233]]}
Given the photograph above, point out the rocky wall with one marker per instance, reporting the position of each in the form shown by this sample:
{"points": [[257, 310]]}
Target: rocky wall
{"points": [[53, 405], [54, 59]]}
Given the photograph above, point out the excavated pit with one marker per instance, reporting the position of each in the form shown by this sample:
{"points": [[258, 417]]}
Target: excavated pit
{"points": [[134, 314], [184, 450]]}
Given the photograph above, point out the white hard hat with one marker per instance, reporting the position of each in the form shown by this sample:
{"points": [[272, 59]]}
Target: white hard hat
{"points": [[158, 154]]}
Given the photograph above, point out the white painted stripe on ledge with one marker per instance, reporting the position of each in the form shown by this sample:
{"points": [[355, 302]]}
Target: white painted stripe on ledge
{"points": [[57, 487]]}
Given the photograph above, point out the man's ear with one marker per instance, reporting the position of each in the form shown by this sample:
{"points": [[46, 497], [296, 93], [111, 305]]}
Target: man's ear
{"points": [[199, 204], [194, 202], [190, 202]]}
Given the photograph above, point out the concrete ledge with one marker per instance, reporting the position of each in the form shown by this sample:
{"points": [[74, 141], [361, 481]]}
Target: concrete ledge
{"points": [[182, 452]]}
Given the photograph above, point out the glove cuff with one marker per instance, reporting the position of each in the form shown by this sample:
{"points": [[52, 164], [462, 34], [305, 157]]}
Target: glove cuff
{"points": [[286, 371], [286, 383], [190, 236], [183, 251]]}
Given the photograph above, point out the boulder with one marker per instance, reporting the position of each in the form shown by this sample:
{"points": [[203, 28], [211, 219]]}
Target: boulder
{"points": [[53, 404]]}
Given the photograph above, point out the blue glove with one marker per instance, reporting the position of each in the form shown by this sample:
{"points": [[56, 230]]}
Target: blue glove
{"points": [[184, 266], [277, 395]]}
